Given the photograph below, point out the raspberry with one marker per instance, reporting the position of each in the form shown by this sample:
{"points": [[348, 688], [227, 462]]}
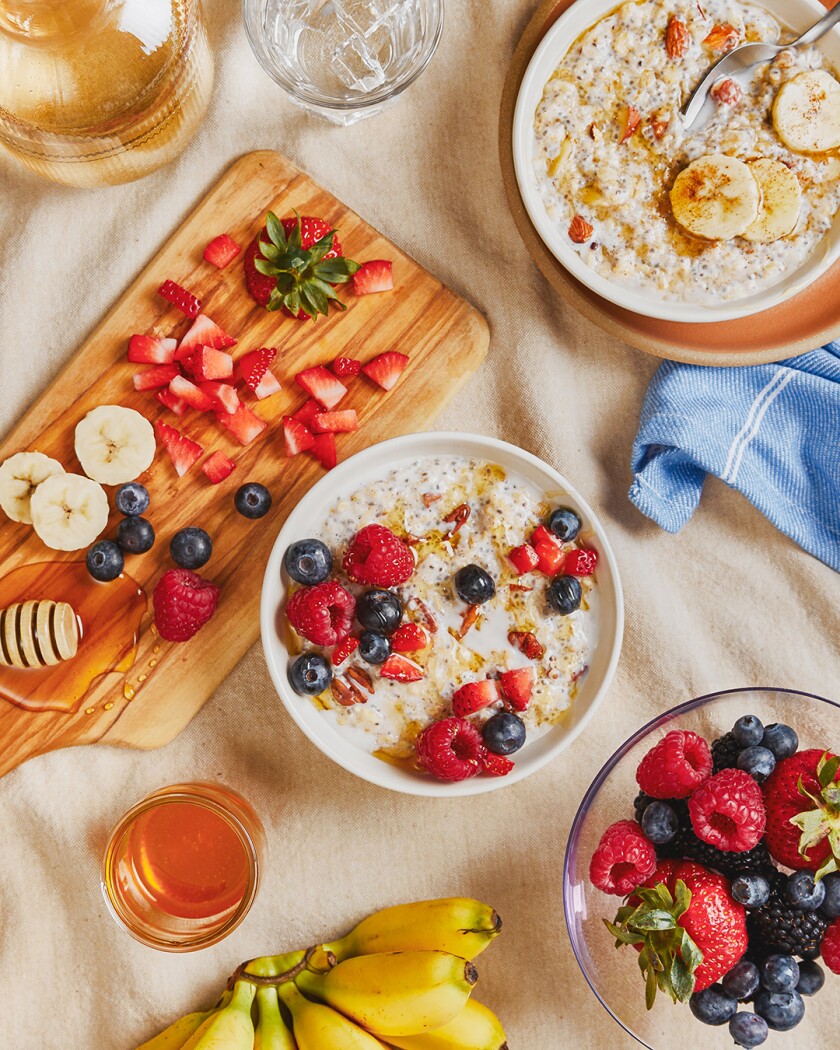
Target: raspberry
{"points": [[183, 604], [379, 558], [623, 860], [580, 562], [473, 696], [728, 811], [676, 766], [322, 614], [831, 947], [496, 765], [451, 749]]}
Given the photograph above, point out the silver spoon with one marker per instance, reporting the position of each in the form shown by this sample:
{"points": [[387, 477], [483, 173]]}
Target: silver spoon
{"points": [[744, 59]]}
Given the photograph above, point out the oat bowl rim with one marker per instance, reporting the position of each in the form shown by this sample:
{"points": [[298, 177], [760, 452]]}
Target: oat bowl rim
{"points": [[367, 467], [559, 38]]}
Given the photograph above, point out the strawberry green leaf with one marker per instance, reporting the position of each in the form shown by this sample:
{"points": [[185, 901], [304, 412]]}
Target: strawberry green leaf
{"points": [[650, 989], [683, 898], [682, 980], [690, 953], [270, 251], [656, 919], [827, 769], [276, 231], [270, 269], [336, 271]]}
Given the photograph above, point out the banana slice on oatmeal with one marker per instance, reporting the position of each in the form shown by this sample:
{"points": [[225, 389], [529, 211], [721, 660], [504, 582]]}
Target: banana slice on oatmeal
{"points": [[781, 201], [806, 113], [716, 197]]}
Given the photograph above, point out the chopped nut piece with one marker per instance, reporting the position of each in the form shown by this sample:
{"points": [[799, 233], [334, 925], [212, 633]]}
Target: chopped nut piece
{"points": [[424, 614], [520, 587], [470, 616], [629, 120], [727, 92], [344, 694], [360, 677], [459, 517], [722, 38], [677, 38], [431, 497], [659, 127], [580, 230], [527, 643]]}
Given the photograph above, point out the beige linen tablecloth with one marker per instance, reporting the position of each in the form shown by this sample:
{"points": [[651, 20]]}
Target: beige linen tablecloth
{"points": [[728, 602]]}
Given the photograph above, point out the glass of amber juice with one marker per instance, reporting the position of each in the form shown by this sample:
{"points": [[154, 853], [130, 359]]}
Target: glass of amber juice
{"points": [[182, 867]]}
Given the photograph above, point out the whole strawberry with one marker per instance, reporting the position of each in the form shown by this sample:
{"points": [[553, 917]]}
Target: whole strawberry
{"points": [[676, 766], [687, 928], [294, 264], [803, 811], [183, 603]]}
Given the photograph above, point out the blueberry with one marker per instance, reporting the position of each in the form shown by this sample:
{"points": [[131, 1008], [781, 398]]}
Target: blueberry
{"points": [[759, 762], [781, 740], [310, 674], [105, 561], [379, 611], [713, 1005], [308, 562], [374, 648], [474, 585], [830, 907], [135, 535], [748, 731], [131, 499], [660, 823], [779, 973], [811, 977], [190, 548], [504, 733], [252, 500], [748, 1030], [781, 1010], [753, 891], [804, 892], [565, 524], [565, 594], [742, 981]]}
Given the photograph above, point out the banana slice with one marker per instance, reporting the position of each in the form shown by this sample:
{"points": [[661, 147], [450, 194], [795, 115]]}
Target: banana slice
{"points": [[781, 201], [69, 511], [114, 444], [38, 634], [20, 475], [806, 113], [716, 197]]}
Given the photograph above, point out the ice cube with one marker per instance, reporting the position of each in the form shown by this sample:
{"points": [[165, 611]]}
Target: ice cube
{"points": [[357, 66]]}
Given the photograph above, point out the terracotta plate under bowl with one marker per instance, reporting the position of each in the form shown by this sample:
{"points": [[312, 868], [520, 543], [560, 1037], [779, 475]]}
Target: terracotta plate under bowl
{"points": [[797, 325]]}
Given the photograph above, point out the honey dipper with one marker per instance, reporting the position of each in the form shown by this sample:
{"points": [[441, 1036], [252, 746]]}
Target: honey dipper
{"points": [[38, 634]]}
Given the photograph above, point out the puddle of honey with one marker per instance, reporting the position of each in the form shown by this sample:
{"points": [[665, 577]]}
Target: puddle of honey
{"points": [[109, 620]]}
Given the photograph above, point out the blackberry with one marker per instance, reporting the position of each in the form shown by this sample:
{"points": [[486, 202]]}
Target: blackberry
{"points": [[725, 751], [754, 862], [640, 804], [780, 927]]}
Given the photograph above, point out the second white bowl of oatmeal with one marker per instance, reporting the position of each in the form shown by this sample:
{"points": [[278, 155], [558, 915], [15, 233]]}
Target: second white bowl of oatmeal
{"points": [[369, 467], [797, 15]]}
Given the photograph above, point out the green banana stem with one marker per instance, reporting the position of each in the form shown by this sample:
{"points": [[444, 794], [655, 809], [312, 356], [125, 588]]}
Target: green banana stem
{"points": [[274, 970]]}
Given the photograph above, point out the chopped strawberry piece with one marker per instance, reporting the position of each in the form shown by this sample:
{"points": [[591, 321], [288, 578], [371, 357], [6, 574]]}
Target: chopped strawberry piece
{"points": [[410, 638], [474, 696], [224, 396], [323, 449], [343, 422], [182, 451], [386, 369], [346, 367], [218, 466], [151, 378], [189, 392], [243, 424], [496, 765], [221, 251], [517, 686], [307, 412], [550, 554], [151, 350], [175, 404], [343, 651], [253, 366], [204, 332], [269, 385], [524, 559], [374, 276], [321, 384], [186, 302], [206, 364], [401, 669], [298, 437], [581, 562]]}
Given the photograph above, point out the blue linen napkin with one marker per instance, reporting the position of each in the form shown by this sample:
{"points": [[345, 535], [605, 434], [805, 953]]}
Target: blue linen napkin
{"points": [[770, 431]]}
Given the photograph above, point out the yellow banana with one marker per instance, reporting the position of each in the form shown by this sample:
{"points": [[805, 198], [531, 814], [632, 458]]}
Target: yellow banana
{"points": [[174, 1037], [395, 993], [318, 1027], [475, 1028], [272, 1033], [230, 1028], [457, 925]]}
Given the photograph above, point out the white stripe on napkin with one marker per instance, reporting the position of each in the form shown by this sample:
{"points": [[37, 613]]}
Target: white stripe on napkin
{"points": [[753, 423]]}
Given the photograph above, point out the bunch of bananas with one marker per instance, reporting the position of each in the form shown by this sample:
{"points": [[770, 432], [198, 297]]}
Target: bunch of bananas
{"points": [[402, 978]]}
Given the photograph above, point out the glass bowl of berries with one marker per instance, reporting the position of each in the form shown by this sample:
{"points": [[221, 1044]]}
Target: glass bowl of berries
{"points": [[701, 889], [442, 614]]}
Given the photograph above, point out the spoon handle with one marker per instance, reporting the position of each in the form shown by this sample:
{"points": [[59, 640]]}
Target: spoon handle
{"points": [[828, 21]]}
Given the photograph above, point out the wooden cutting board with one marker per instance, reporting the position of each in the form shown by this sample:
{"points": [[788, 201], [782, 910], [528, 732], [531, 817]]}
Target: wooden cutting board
{"points": [[443, 335]]}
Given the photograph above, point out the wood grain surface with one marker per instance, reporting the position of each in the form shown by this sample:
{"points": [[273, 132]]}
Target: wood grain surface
{"points": [[444, 336]]}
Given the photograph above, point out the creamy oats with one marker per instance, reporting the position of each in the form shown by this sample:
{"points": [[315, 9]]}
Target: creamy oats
{"points": [[622, 189]]}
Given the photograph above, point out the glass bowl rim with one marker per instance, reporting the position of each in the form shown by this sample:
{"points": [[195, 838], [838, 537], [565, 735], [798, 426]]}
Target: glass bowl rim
{"points": [[600, 779]]}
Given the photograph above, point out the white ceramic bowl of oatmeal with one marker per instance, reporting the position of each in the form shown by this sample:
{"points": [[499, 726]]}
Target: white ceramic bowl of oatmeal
{"points": [[391, 478], [636, 255]]}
